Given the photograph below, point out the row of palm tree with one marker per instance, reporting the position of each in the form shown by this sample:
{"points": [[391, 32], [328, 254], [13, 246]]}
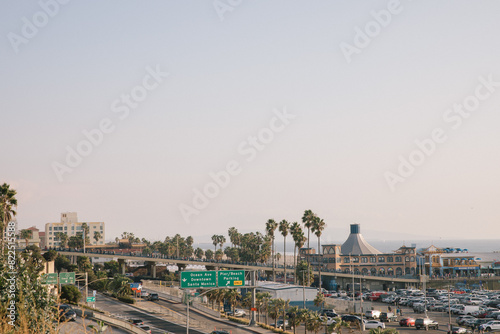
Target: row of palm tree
{"points": [[311, 221], [8, 203]]}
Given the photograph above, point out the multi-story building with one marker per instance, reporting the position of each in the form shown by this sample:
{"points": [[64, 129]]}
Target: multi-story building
{"points": [[358, 256], [34, 240], [450, 262], [69, 224]]}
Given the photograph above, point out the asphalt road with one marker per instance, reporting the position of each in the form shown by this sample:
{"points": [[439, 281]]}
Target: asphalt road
{"points": [[81, 326], [126, 312]]}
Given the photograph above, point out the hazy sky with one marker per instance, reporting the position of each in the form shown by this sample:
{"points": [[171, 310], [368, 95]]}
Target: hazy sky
{"points": [[355, 85]]}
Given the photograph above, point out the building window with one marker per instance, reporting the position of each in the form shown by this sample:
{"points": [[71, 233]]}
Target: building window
{"points": [[50, 228], [381, 259], [407, 259], [346, 260], [390, 259], [355, 260], [398, 258], [364, 260], [373, 259], [412, 259]]}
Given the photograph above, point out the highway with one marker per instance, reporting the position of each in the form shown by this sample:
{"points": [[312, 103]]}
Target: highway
{"points": [[80, 326], [126, 312]]}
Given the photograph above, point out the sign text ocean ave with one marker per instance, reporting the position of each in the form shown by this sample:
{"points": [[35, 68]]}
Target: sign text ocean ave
{"points": [[198, 279]]}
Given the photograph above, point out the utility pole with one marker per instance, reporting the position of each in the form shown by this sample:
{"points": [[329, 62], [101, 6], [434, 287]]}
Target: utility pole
{"points": [[187, 318], [252, 319], [303, 289]]}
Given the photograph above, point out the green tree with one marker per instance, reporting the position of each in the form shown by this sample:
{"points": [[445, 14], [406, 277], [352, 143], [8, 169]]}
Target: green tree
{"points": [[97, 236], [299, 240], [233, 297], [71, 294], [304, 273], [8, 202], [271, 227], [307, 220], [218, 255], [26, 235], [319, 300], [62, 238], [275, 310], [199, 253], [318, 227], [294, 317], [313, 322], [209, 254], [85, 234], [83, 263], [120, 285], [284, 229], [76, 241], [215, 241], [113, 267], [61, 262]]}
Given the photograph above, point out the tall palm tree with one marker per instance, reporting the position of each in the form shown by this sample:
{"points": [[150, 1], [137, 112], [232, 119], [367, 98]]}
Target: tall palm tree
{"points": [[232, 233], [63, 239], [271, 226], [299, 238], [26, 235], [215, 241], [307, 220], [284, 228], [222, 240], [318, 228], [8, 202], [86, 240]]}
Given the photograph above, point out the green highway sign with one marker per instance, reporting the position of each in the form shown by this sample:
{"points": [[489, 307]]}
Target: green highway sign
{"points": [[90, 299], [49, 278], [198, 279], [67, 278], [231, 278]]}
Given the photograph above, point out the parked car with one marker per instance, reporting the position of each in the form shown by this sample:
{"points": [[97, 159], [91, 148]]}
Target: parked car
{"points": [[374, 324], [153, 296], [351, 318], [461, 320], [238, 313], [66, 313], [329, 313], [387, 317], [457, 330], [489, 326], [407, 322], [329, 320], [372, 314], [426, 323], [144, 294], [279, 324]]}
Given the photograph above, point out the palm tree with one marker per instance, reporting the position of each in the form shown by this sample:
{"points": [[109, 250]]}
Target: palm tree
{"points": [[8, 202], [63, 239], [232, 296], [222, 240], [307, 220], [97, 236], [284, 228], [271, 226], [26, 235], [314, 322], [299, 238], [294, 317], [86, 240], [215, 241], [318, 228]]}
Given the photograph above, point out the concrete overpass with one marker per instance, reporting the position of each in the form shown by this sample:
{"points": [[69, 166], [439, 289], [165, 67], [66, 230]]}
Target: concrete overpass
{"points": [[371, 282]]}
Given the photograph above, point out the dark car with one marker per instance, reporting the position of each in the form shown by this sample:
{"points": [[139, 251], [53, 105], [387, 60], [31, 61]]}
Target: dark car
{"points": [[329, 314], [66, 313], [136, 322], [153, 296], [219, 332], [351, 318], [426, 323]]}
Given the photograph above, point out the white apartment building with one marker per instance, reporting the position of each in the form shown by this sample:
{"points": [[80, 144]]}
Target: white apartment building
{"points": [[69, 224]]}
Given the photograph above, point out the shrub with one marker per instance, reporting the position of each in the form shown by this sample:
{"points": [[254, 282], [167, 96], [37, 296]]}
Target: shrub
{"points": [[126, 299], [71, 294]]}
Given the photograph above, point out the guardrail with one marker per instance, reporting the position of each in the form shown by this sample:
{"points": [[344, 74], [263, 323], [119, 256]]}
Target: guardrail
{"points": [[110, 320]]}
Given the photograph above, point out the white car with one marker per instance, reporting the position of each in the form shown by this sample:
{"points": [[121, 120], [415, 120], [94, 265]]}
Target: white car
{"points": [[239, 313], [329, 320], [374, 324], [490, 325]]}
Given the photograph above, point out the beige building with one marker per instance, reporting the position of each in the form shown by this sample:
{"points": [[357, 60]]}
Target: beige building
{"points": [[69, 224], [35, 239]]}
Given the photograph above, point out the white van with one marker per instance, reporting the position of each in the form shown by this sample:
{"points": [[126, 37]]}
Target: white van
{"points": [[467, 309], [372, 314]]}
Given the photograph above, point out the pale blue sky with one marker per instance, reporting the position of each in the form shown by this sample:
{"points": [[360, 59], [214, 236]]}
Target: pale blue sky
{"points": [[352, 121]]}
